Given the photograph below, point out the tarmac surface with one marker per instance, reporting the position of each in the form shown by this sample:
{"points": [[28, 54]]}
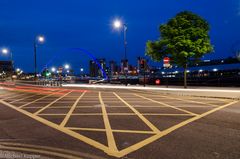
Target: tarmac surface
{"points": [[115, 123]]}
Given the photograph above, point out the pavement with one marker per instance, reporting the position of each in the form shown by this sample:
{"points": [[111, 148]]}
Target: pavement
{"points": [[100, 123]]}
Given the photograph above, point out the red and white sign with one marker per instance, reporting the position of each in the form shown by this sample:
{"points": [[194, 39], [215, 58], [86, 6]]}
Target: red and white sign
{"points": [[166, 62]]}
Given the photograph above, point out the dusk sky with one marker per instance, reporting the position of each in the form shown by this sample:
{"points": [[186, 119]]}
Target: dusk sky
{"points": [[87, 24]]}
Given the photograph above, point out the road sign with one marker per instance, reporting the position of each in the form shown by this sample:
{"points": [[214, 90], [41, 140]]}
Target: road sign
{"points": [[166, 62]]}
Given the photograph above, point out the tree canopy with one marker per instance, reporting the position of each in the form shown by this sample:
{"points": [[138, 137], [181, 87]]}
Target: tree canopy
{"points": [[183, 38]]}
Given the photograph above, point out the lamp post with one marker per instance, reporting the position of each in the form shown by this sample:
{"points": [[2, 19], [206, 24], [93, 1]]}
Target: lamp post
{"points": [[118, 24], [7, 51], [67, 67], [38, 40]]}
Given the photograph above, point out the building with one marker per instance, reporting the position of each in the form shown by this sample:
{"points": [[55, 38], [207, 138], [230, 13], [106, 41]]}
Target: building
{"points": [[113, 68], [97, 68], [124, 66]]}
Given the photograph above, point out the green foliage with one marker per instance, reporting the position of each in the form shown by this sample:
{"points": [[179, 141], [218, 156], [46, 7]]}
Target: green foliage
{"points": [[183, 38]]}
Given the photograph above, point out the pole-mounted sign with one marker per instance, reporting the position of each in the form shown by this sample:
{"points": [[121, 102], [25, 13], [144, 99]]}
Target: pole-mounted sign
{"points": [[166, 62]]}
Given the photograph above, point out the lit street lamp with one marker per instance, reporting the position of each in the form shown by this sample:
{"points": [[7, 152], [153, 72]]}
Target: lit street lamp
{"points": [[6, 51], [118, 25], [66, 66], [53, 69], [38, 40]]}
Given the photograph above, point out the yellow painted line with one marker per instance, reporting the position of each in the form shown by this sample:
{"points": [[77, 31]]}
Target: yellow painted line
{"points": [[52, 149], [147, 122], [111, 141], [19, 95], [62, 129], [86, 129], [189, 101], [134, 131], [157, 95], [48, 114], [169, 130], [117, 114], [166, 104], [213, 99], [117, 131], [39, 99], [67, 117], [102, 114], [162, 106], [162, 114], [17, 100], [7, 94], [45, 107], [49, 107]]}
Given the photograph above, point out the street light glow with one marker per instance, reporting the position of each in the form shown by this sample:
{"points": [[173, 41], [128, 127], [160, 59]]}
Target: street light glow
{"points": [[5, 51], [53, 69], [66, 66], [41, 39], [18, 70], [81, 69], [117, 24]]}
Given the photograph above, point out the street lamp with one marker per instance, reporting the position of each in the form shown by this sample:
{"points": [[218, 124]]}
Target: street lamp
{"points": [[53, 69], [18, 70], [66, 66], [117, 24], [38, 40], [6, 51]]}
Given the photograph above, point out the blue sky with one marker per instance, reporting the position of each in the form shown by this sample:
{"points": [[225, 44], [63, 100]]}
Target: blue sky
{"points": [[88, 24]]}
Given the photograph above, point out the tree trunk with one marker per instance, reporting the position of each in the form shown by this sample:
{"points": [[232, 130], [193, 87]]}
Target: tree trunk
{"points": [[185, 76]]}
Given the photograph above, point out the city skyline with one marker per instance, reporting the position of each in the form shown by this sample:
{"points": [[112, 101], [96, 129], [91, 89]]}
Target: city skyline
{"points": [[64, 26]]}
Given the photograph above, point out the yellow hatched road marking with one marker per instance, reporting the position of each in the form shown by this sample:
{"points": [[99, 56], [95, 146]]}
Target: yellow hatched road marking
{"points": [[71, 110], [24, 98], [169, 130], [177, 108], [107, 149], [39, 99], [186, 100], [118, 131], [156, 94], [52, 107], [19, 95], [109, 114], [111, 141], [62, 129], [45, 107], [147, 122], [6, 94]]}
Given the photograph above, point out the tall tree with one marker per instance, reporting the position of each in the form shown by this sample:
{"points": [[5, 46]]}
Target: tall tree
{"points": [[184, 38]]}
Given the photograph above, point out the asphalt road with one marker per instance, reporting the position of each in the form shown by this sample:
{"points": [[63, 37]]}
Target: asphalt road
{"points": [[99, 123]]}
